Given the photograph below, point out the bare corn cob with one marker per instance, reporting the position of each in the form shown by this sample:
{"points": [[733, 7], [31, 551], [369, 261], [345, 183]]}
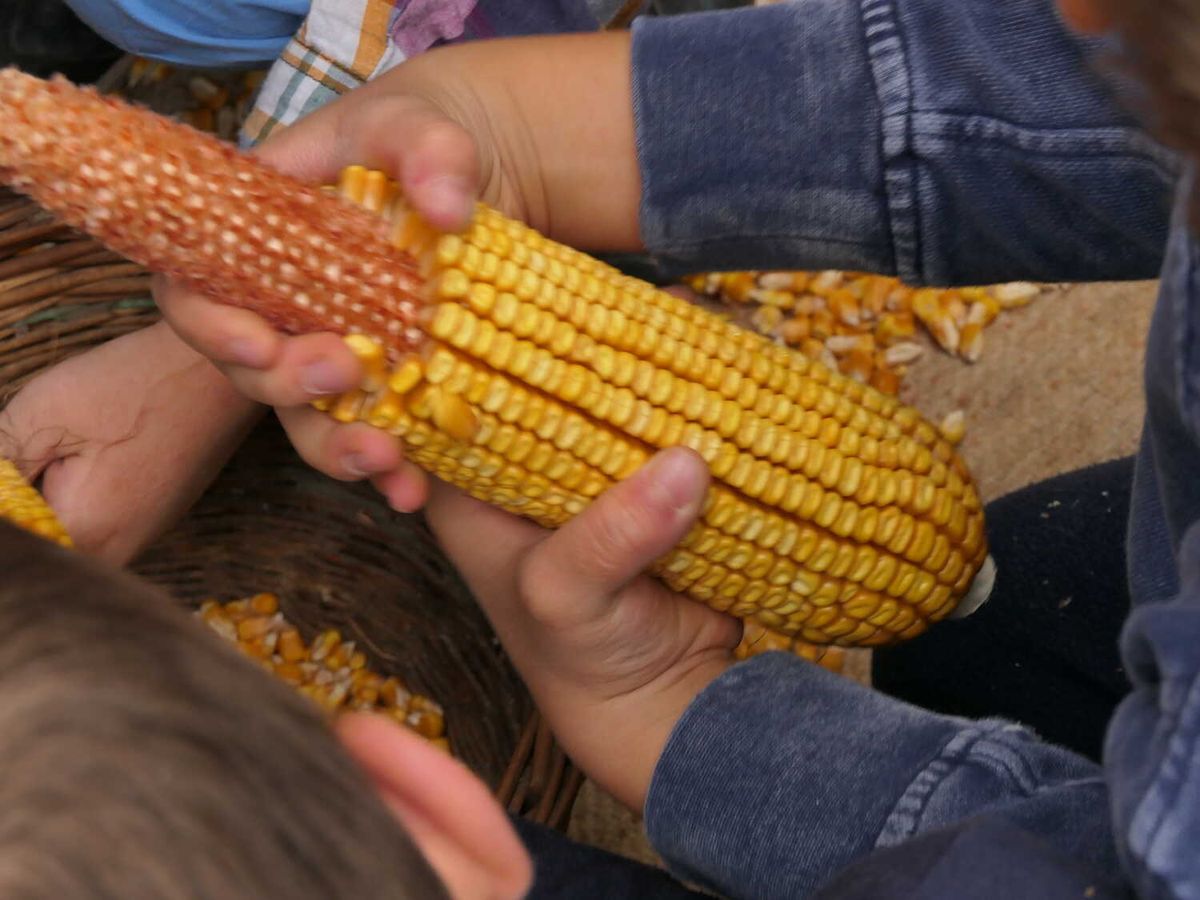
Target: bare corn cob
{"points": [[329, 671], [22, 505], [534, 376]]}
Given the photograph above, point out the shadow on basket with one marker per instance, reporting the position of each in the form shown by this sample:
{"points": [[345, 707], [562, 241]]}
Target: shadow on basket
{"points": [[335, 554]]}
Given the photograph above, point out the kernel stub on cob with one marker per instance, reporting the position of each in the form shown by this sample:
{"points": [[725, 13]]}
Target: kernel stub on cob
{"points": [[329, 671], [22, 505], [534, 376]]}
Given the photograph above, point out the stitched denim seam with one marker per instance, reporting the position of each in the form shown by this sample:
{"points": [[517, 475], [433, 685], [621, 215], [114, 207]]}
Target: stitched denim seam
{"points": [[904, 819], [1004, 761], [743, 237], [985, 748], [893, 87], [982, 131]]}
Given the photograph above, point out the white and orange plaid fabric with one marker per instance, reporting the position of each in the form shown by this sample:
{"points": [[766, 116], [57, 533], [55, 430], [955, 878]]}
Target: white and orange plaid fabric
{"points": [[344, 43]]}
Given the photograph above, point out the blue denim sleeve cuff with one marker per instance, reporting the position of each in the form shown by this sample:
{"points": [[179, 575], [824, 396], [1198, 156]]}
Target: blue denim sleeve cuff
{"points": [[743, 149], [780, 774]]}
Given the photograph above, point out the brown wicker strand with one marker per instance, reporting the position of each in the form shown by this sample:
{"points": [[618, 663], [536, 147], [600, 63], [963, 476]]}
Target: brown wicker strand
{"points": [[507, 788], [71, 251], [560, 816], [39, 232], [67, 279]]}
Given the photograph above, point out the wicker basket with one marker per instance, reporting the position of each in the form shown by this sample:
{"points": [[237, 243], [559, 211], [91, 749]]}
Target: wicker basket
{"points": [[335, 554]]}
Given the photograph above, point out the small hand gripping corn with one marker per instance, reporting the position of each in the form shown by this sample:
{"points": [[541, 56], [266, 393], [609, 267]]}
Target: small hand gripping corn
{"points": [[534, 376]]}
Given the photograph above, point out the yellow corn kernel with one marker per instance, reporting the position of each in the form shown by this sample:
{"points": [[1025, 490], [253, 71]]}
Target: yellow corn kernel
{"points": [[894, 327], [970, 342], [954, 426], [1017, 293], [795, 330]]}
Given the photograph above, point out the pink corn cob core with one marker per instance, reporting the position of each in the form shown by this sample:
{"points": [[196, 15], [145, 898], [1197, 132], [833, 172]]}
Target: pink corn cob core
{"points": [[189, 206]]}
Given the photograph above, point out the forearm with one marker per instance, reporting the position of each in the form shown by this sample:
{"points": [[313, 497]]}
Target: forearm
{"points": [[189, 417], [560, 112]]}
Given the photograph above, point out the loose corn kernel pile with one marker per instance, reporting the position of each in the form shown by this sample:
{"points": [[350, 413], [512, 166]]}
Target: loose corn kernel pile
{"points": [[329, 671], [22, 505], [534, 376], [865, 326]]}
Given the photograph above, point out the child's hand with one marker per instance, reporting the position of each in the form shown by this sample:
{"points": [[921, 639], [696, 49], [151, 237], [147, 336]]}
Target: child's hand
{"points": [[440, 172], [543, 133], [125, 438], [612, 657]]}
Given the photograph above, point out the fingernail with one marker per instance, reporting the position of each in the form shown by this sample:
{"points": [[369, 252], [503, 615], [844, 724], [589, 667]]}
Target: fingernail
{"points": [[447, 200], [355, 465], [675, 482], [321, 377], [247, 352]]}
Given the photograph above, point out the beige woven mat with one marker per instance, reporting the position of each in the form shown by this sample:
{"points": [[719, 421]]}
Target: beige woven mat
{"points": [[1058, 387]]}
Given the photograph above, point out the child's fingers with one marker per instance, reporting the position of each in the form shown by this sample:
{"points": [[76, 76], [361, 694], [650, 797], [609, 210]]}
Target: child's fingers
{"points": [[351, 452], [406, 487], [263, 364], [308, 366], [223, 333], [585, 563], [434, 158], [348, 452]]}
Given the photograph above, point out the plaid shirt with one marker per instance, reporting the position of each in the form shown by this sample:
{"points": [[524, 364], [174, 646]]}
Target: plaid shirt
{"points": [[344, 43]]}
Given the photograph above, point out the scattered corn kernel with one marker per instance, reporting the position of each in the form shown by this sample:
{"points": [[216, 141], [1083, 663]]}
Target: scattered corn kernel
{"points": [[954, 426]]}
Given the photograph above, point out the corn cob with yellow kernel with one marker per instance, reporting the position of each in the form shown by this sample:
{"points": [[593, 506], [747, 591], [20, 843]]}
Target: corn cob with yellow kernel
{"points": [[329, 671], [534, 376], [22, 505]]}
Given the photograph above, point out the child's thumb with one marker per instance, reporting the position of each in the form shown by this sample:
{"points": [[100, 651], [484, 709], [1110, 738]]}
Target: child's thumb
{"points": [[588, 560], [434, 158]]}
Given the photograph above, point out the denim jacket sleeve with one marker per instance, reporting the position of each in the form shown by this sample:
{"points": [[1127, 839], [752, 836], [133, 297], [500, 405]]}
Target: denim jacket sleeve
{"points": [[780, 775], [946, 142], [1152, 749]]}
